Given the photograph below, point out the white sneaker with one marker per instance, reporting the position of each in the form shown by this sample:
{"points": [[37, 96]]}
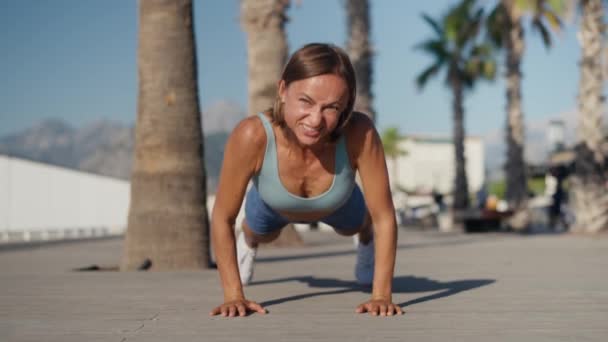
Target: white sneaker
{"points": [[364, 269], [245, 256]]}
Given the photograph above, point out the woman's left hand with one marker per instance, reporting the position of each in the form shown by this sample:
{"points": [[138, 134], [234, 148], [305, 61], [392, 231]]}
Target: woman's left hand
{"points": [[380, 307]]}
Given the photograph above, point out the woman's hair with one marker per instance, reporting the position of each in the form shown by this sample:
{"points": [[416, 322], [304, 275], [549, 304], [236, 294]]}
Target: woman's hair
{"points": [[313, 60]]}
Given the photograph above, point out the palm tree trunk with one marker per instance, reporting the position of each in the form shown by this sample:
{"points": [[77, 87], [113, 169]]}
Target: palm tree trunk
{"points": [[360, 53], [264, 22], [461, 185], [515, 167], [168, 223], [589, 184]]}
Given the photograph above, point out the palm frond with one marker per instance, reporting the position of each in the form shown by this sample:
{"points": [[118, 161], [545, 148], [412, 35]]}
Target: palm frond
{"points": [[433, 24], [468, 80], [489, 69], [558, 6], [456, 19], [496, 23], [481, 64], [470, 28], [547, 12], [478, 15], [526, 5], [540, 27], [459, 49], [472, 66], [482, 50], [435, 48], [553, 19], [452, 24], [429, 72]]}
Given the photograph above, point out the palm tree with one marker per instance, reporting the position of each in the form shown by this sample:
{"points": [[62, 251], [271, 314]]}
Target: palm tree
{"points": [[505, 27], [390, 143], [360, 53], [264, 22], [456, 48], [590, 181], [168, 223]]}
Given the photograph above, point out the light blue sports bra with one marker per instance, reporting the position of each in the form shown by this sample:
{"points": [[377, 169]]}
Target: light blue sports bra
{"points": [[277, 197]]}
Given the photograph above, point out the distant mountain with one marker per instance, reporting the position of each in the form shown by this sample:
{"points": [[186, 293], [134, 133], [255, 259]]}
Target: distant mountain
{"points": [[49, 141], [109, 152], [221, 116], [105, 147], [102, 147]]}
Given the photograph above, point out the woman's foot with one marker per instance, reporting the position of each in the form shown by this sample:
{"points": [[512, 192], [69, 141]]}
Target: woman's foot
{"points": [[245, 256]]}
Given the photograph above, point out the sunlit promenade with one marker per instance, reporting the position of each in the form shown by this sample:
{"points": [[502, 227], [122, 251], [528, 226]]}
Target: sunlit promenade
{"points": [[454, 286]]}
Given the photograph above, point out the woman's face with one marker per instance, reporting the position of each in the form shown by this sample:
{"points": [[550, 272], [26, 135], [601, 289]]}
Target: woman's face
{"points": [[312, 106]]}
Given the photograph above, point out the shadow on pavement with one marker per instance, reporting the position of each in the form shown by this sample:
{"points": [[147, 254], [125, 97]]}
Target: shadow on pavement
{"points": [[401, 284]]}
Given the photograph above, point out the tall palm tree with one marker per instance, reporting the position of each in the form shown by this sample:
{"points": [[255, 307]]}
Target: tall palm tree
{"points": [[505, 25], [390, 143], [360, 52], [456, 47], [264, 23], [168, 223], [590, 181]]}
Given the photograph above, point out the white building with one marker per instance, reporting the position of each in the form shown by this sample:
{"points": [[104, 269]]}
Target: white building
{"points": [[40, 201], [429, 164], [45, 202]]}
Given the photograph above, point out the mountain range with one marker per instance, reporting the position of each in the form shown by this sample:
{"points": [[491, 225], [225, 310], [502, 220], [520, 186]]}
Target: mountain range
{"points": [[105, 147]]}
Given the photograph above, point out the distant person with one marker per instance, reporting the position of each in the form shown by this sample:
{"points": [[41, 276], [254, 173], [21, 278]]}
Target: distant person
{"points": [[438, 200], [482, 197], [302, 156], [556, 214]]}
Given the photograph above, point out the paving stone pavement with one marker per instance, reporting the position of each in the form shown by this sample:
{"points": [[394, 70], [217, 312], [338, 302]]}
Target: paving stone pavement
{"points": [[453, 287]]}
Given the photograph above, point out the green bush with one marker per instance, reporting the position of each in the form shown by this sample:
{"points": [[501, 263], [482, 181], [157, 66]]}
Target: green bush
{"points": [[497, 188], [535, 185]]}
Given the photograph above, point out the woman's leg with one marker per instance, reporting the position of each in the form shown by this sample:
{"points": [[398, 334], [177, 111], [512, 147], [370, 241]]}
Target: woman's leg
{"points": [[253, 239], [261, 224], [353, 218], [365, 230], [246, 249]]}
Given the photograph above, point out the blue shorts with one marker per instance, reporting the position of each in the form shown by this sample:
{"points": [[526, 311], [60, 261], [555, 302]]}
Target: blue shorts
{"points": [[262, 219]]}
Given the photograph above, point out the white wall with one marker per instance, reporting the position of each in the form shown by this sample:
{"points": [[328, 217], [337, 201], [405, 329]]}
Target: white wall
{"points": [[36, 197], [429, 164]]}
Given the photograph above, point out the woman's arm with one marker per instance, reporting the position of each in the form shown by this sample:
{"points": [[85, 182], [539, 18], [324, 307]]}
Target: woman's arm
{"points": [[371, 164], [242, 156]]}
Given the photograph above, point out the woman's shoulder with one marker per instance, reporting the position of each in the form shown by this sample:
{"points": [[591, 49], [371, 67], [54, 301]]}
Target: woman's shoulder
{"points": [[250, 128], [359, 126], [248, 135], [359, 132]]}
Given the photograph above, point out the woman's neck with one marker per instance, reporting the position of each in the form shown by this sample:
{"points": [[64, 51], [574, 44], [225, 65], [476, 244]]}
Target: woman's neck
{"points": [[293, 144]]}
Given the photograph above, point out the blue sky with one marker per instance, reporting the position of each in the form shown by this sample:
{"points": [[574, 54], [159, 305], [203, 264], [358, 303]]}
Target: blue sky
{"points": [[76, 60]]}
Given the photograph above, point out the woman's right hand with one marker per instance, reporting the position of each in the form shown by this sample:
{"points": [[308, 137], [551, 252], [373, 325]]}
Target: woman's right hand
{"points": [[238, 307]]}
